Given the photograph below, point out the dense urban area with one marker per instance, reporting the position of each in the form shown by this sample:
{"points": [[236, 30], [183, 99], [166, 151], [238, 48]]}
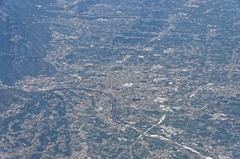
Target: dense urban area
{"points": [[111, 79]]}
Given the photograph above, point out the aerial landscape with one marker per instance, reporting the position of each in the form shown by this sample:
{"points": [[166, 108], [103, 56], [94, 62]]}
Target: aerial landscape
{"points": [[119, 79]]}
